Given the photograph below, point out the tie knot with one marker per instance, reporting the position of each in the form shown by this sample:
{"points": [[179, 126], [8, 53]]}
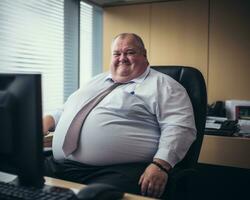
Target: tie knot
{"points": [[116, 85]]}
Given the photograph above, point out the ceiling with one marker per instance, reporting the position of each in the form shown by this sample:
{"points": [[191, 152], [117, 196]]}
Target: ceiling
{"points": [[107, 3]]}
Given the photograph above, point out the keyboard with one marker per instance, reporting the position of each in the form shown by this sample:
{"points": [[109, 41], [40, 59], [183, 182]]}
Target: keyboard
{"points": [[10, 191]]}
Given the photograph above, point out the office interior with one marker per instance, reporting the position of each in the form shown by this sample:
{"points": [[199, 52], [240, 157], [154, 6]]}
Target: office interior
{"points": [[214, 37]]}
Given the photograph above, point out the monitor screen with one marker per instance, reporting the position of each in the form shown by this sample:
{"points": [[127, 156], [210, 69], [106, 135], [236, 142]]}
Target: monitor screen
{"points": [[21, 146]]}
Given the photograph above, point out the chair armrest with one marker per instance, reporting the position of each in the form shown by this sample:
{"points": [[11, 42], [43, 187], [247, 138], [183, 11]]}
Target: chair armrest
{"points": [[177, 180], [177, 173]]}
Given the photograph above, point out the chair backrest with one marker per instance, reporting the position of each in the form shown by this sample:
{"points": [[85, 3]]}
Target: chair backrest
{"points": [[192, 80]]}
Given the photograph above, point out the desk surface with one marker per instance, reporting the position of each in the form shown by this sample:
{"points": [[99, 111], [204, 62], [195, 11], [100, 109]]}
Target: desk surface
{"points": [[6, 177], [76, 187]]}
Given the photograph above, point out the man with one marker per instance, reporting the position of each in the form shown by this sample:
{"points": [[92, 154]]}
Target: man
{"points": [[135, 135]]}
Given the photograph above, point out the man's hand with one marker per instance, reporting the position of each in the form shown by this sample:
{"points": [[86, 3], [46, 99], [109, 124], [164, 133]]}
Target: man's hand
{"points": [[48, 124], [153, 181]]}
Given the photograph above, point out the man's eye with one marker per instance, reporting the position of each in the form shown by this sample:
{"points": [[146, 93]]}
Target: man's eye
{"points": [[116, 54], [131, 53]]}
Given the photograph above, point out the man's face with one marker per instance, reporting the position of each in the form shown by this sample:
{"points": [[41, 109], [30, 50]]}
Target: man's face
{"points": [[128, 60]]}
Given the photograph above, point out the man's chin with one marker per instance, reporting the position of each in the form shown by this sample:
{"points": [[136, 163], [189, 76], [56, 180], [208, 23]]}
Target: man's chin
{"points": [[122, 76], [123, 70]]}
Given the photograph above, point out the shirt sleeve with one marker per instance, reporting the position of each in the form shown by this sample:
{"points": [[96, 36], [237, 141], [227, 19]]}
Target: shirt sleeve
{"points": [[176, 120]]}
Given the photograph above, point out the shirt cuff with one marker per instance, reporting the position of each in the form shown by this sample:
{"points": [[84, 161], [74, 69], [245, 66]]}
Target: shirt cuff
{"points": [[168, 156]]}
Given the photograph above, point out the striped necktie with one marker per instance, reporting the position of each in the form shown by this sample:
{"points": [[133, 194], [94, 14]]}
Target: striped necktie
{"points": [[71, 139]]}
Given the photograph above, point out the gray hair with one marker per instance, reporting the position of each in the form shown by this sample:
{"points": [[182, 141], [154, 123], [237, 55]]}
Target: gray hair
{"points": [[137, 38]]}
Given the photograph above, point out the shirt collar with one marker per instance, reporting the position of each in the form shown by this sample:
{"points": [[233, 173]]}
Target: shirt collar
{"points": [[139, 79]]}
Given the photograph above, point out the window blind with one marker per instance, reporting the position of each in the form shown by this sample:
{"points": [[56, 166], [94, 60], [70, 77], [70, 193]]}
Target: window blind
{"points": [[32, 39], [90, 41], [43, 36]]}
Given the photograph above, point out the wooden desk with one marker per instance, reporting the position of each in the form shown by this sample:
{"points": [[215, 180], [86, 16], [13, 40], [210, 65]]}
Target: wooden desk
{"points": [[6, 177], [76, 187], [225, 151]]}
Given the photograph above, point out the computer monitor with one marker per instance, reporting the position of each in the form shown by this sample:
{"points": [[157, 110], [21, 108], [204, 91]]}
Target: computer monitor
{"points": [[21, 146]]}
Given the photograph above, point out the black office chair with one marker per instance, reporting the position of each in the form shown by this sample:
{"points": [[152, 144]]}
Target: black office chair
{"points": [[181, 178]]}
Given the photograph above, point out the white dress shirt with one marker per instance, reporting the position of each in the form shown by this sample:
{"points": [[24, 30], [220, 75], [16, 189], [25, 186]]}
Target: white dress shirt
{"points": [[149, 117]]}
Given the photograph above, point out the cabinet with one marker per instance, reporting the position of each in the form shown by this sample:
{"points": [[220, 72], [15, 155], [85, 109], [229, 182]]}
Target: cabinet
{"points": [[225, 151]]}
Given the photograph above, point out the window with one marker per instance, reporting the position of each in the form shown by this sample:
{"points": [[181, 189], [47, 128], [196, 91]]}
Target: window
{"points": [[43, 36], [90, 41], [31, 39]]}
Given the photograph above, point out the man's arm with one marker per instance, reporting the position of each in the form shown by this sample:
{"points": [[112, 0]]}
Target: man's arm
{"points": [[176, 121], [154, 178]]}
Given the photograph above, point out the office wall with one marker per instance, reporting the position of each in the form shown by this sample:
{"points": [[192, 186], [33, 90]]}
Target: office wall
{"points": [[212, 36], [229, 50]]}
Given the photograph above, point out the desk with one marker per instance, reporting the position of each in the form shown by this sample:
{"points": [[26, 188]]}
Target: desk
{"points": [[76, 187], [225, 151], [6, 177]]}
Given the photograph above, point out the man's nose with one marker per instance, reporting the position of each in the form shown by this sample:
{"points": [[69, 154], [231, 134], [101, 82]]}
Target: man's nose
{"points": [[123, 57]]}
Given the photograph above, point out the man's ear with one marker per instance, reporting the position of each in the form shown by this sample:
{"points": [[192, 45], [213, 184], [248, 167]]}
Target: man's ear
{"points": [[145, 53]]}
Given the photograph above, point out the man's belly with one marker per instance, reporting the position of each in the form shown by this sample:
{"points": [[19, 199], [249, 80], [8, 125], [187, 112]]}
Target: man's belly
{"points": [[107, 139]]}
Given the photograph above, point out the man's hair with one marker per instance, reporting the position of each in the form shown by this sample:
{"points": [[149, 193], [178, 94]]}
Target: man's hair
{"points": [[137, 38]]}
